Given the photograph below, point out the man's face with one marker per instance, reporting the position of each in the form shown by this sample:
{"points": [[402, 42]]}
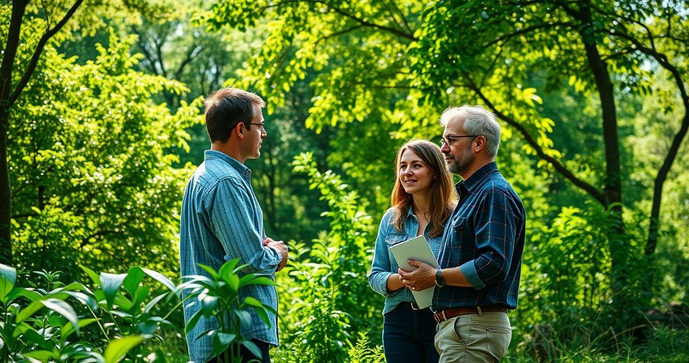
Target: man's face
{"points": [[457, 150], [254, 137]]}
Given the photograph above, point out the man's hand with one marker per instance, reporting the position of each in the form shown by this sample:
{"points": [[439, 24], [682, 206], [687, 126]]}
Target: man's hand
{"points": [[419, 279], [279, 246]]}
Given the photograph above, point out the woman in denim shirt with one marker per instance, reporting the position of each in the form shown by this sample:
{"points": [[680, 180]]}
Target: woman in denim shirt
{"points": [[422, 200]]}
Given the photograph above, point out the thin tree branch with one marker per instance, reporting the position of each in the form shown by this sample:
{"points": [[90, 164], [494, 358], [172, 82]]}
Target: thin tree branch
{"points": [[39, 49]]}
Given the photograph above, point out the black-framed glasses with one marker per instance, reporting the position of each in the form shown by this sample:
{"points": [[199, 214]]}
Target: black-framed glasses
{"points": [[451, 139]]}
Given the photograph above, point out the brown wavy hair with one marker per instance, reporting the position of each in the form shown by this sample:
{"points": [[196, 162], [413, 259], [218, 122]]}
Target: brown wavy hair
{"points": [[443, 197]]}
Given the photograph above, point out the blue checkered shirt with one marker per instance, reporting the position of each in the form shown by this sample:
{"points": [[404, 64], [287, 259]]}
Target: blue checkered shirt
{"points": [[222, 220], [485, 236]]}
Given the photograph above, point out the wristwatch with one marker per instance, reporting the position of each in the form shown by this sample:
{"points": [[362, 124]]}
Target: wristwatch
{"points": [[439, 279]]}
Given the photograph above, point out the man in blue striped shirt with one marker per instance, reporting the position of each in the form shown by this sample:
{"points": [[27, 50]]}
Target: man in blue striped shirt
{"points": [[222, 220], [481, 250]]}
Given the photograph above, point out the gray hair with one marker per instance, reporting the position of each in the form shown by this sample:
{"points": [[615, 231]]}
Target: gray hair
{"points": [[478, 121]]}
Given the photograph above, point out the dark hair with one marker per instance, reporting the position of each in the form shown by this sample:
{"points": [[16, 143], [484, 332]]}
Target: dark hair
{"points": [[443, 198], [228, 107]]}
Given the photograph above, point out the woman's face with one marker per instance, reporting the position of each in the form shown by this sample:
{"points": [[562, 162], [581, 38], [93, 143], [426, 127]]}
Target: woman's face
{"points": [[413, 174]]}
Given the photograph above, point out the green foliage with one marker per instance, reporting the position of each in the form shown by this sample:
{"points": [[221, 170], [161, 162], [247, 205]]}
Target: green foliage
{"points": [[329, 301], [93, 181], [54, 336], [218, 296]]}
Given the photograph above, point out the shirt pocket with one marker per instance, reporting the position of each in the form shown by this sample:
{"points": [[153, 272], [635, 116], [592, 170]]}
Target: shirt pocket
{"points": [[461, 232]]}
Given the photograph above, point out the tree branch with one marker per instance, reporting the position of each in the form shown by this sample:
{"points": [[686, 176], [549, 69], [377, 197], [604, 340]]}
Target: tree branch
{"points": [[539, 150], [39, 49]]}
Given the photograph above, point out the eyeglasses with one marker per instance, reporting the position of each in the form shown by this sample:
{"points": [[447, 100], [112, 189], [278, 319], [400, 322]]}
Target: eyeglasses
{"points": [[262, 124], [451, 139]]}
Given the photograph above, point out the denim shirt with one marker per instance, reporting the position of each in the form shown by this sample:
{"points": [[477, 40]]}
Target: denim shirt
{"points": [[222, 220], [384, 263]]}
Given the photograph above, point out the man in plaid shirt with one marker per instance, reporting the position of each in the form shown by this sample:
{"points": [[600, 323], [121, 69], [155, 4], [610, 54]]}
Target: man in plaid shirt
{"points": [[481, 251]]}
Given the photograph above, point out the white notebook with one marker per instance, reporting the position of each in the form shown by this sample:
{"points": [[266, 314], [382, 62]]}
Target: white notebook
{"points": [[417, 249]]}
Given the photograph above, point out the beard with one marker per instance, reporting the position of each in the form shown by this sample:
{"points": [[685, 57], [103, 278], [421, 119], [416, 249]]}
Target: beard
{"points": [[461, 163]]}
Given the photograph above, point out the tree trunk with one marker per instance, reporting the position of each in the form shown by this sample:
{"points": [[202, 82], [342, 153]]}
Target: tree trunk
{"points": [[10, 53], [613, 185]]}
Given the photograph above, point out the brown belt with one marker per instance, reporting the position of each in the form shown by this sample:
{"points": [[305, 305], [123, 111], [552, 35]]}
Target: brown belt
{"points": [[454, 312]]}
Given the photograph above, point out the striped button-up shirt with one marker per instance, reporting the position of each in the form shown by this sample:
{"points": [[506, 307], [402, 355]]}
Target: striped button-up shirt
{"points": [[485, 236], [221, 221]]}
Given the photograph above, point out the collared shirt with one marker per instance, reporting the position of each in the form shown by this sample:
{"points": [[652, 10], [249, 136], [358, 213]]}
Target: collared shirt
{"points": [[384, 263], [222, 220], [485, 236]]}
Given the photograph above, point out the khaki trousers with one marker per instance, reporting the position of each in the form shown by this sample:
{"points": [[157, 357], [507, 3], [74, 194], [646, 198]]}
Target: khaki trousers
{"points": [[473, 338]]}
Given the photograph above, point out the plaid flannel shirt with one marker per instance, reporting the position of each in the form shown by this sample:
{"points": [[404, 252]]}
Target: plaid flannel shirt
{"points": [[485, 236]]}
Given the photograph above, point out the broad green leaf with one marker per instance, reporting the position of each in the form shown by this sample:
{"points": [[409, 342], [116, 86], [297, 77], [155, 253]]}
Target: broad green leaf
{"points": [[94, 276], [24, 292], [209, 270], [111, 283], [29, 310], [208, 303], [8, 277], [227, 268], [118, 348], [31, 336], [253, 348], [123, 302], [63, 309], [147, 328], [244, 318], [69, 328], [41, 355], [193, 321], [134, 277], [160, 278], [140, 296]]}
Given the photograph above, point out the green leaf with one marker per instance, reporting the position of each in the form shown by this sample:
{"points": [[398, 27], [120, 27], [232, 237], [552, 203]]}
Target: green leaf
{"points": [[8, 277], [147, 328], [193, 321], [41, 355], [152, 303], [111, 283], [255, 350], [208, 303], [227, 268], [69, 328], [63, 309], [141, 295], [29, 310], [94, 276], [31, 336], [118, 348], [244, 318], [160, 278], [134, 277], [209, 270], [24, 292]]}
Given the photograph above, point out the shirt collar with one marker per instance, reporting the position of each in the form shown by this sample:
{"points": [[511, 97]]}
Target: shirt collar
{"points": [[476, 178], [217, 155]]}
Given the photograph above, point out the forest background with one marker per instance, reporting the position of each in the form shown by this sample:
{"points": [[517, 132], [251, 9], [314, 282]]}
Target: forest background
{"points": [[101, 126]]}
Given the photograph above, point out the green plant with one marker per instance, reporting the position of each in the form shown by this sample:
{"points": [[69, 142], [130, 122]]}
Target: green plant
{"points": [[218, 296], [27, 335]]}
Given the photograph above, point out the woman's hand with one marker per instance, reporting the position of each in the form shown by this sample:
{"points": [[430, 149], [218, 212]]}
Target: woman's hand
{"points": [[420, 279]]}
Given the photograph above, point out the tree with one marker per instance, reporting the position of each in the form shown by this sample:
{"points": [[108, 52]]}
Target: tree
{"points": [[400, 60], [94, 181]]}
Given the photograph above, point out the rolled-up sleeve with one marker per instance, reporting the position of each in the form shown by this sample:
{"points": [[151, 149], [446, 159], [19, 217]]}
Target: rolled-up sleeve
{"points": [[381, 266], [496, 227], [229, 205]]}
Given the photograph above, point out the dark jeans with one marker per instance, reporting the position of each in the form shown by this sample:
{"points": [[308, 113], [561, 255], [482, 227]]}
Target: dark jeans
{"points": [[408, 335], [247, 355]]}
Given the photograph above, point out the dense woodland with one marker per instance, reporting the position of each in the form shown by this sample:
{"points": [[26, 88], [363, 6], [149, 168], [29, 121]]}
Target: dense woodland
{"points": [[101, 124]]}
